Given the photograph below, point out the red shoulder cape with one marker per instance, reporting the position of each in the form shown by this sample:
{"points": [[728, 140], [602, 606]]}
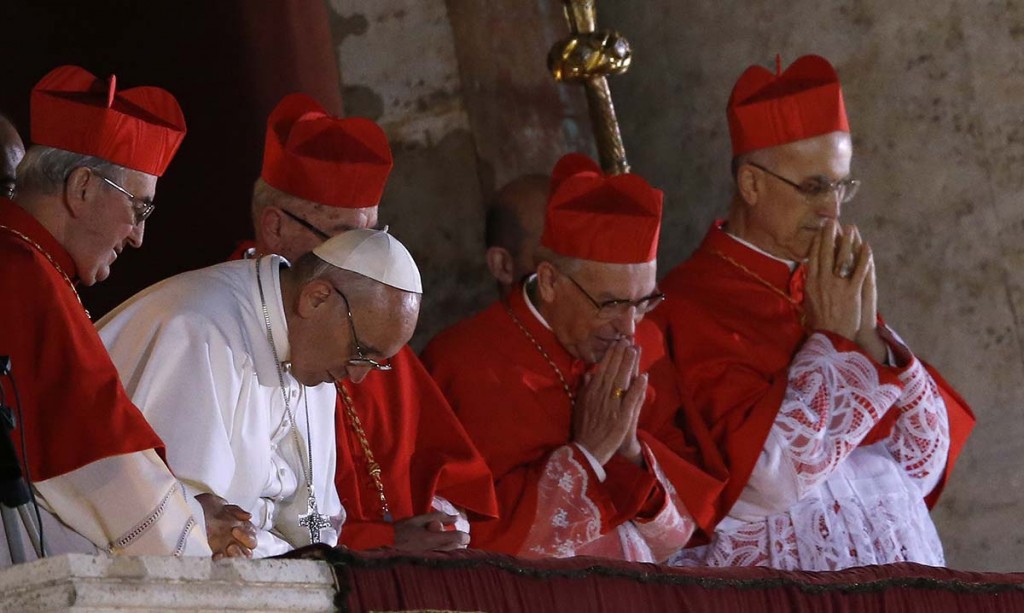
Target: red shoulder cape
{"points": [[421, 447], [75, 410], [515, 409], [732, 339]]}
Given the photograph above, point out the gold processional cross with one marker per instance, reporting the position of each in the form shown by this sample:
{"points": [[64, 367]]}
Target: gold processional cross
{"points": [[588, 56]]}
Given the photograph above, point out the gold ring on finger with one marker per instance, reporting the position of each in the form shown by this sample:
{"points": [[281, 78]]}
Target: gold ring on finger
{"points": [[618, 393]]}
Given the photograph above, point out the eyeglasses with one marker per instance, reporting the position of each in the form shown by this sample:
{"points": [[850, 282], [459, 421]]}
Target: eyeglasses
{"points": [[141, 207], [820, 189], [360, 360], [305, 224], [613, 309]]}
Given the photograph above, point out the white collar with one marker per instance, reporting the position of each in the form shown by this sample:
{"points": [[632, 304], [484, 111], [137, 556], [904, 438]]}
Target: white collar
{"points": [[529, 303], [270, 276], [790, 263]]}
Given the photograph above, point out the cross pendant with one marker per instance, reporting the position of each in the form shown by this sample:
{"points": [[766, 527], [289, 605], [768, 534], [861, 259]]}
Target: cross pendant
{"points": [[314, 522]]}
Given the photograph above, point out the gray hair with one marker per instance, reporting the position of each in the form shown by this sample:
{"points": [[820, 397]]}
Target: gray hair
{"points": [[563, 263], [46, 169], [264, 195]]}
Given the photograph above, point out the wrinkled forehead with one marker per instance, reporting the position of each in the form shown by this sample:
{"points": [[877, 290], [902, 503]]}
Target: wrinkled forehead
{"points": [[335, 220], [616, 281], [827, 155], [387, 321], [141, 184]]}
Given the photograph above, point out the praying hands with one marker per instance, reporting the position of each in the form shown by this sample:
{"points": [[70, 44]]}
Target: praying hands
{"points": [[608, 405], [841, 292]]}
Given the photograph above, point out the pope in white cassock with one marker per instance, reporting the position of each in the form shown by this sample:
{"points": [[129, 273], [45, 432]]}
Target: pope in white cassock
{"points": [[234, 366]]}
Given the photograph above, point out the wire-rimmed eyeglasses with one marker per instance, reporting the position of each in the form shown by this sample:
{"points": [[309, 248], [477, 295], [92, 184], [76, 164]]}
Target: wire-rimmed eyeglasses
{"points": [[360, 360]]}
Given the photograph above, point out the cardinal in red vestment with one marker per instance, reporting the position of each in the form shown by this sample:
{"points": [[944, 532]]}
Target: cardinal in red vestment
{"points": [[407, 474], [836, 436], [84, 191], [566, 391]]}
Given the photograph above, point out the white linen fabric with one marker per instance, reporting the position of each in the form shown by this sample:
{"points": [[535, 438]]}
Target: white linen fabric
{"points": [[194, 356], [568, 522], [126, 504], [816, 500]]}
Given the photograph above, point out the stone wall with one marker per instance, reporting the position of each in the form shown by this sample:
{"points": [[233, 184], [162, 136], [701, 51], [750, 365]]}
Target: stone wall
{"points": [[462, 91], [932, 92]]}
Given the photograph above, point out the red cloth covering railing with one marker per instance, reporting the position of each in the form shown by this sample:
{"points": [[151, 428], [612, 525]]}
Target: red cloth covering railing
{"points": [[478, 581]]}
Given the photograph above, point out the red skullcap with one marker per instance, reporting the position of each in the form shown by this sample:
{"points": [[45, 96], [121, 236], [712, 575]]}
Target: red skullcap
{"points": [[314, 156], [613, 219], [767, 110], [139, 128]]}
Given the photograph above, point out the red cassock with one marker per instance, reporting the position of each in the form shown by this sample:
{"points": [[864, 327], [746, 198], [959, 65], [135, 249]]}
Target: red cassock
{"points": [[421, 447], [517, 412], [733, 337], [74, 409]]}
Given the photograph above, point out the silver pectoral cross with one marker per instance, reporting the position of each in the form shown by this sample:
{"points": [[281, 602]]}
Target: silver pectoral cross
{"points": [[314, 522]]}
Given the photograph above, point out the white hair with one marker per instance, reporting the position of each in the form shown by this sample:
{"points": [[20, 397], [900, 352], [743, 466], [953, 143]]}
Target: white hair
{"points": [[47, 168]]}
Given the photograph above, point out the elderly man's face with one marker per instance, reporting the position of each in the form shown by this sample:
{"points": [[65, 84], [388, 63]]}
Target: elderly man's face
{"points": [[106, 224], [784, 221], [308, 226], [324, 351], [577, 322]]}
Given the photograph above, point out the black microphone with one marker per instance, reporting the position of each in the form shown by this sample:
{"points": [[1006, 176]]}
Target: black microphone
{"points": [[13, 488]]}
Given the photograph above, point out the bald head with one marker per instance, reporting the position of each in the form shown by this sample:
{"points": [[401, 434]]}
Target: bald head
{"points": [[12, 149], [515, 221]]}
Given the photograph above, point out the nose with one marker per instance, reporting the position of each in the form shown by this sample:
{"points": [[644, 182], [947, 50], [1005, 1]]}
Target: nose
{"points": [[625, 324], [830, 205], [135, 238]]}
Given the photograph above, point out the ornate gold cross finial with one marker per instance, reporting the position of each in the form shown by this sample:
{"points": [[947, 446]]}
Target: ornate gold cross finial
{"points": [[588, 56]]}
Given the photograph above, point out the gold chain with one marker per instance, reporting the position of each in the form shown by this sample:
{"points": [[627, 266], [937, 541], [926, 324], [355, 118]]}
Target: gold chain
{"points": [[371, 463], [551, 363], [49, 257], [796, 305]]}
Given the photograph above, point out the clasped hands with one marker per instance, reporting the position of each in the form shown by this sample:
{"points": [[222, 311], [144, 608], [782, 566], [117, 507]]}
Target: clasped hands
{"points": [[608, 405], [228, 529], [841, 294]]}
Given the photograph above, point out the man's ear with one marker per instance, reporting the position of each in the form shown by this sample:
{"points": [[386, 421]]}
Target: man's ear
{"points": [[499, 261], [547, 276], [749, 184], [76, 189], [313, 298], [268, 229]]}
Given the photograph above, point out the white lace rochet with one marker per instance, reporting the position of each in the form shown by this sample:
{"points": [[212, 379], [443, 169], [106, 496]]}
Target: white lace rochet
{"points": [[816, 499]]}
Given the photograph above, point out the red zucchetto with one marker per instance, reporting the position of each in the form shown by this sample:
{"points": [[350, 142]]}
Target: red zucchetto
{"points": [[139, 128], [314, 156], [612, 219], [766, 110]]}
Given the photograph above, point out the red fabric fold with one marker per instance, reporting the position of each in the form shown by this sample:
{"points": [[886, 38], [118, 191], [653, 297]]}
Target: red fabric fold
{"points": [[733, 368], [516, 410], [421, 447], [74, 409]]}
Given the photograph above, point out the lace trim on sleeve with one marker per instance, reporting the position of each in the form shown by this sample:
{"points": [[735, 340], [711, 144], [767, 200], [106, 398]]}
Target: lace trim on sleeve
{"points": [[129, 537], [672, 527], [833, 400], [920, 441], [566, 519]]}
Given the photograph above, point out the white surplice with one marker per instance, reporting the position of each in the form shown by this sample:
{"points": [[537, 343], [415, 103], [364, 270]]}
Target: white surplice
{"points": [[194, 356], [817, 499], [127, 504]]}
